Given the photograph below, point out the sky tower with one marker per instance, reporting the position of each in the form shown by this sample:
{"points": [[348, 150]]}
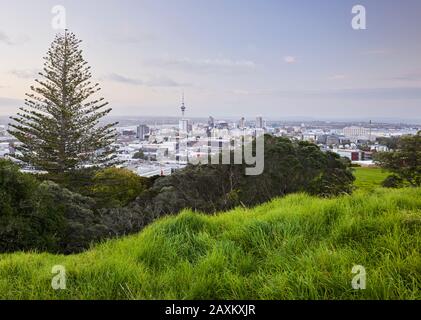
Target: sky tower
{"points": [[183, 106], [183, 123]]}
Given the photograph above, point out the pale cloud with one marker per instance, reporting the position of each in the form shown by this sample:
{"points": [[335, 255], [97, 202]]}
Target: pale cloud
{"points": [[115, 77], [9, 102], [131, 37], [25, 73], [241, 92], [163, 82], [290, 59], [375, 52], [207, 65], [337, 77], [379, 93], [4, 38], [8, 107], [414, 76], [160, 81]]}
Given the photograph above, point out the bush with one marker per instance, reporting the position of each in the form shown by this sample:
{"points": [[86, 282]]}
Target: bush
{"points": [[49, 217], [114, 187], [405, 161], [289, 167], [79, 181], [393, 181], [123, 221], [79, 226], [23, 225], [140, 155], [44, 216]]}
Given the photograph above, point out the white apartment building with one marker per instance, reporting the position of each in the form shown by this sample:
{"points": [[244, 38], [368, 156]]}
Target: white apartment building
{"points": [[354, 132]]}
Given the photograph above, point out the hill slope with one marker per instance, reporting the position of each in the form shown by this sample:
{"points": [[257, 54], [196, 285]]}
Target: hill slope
{"points": [[368, 178], [297, 247]]}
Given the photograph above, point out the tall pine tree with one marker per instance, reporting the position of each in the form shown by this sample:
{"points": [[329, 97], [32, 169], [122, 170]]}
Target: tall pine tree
{"points": [[59, 128]]}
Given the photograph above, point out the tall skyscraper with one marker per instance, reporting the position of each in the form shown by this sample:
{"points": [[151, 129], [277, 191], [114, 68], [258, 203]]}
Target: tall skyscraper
{"points": [[259, 123], [184, 125], [242, 123], [211, 122], [142, 131]]}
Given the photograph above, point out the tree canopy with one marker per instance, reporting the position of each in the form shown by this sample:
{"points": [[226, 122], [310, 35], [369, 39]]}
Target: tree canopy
{"points": [[59, 126], [290, 167], [405, 161]]}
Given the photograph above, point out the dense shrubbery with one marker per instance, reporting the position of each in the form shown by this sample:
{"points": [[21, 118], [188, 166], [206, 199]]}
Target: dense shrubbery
{"points": [[22, 226], [289, 167], [405, 161], [115, 187], [85, 206], [75, 224], [393, 181], [45, 216]]}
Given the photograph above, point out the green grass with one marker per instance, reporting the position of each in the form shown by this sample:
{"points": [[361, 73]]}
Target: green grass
{"points": [[368, 178], [298, 247]]}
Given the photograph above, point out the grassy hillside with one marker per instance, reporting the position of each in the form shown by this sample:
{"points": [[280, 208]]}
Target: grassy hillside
{"points": [[368, 178], [297, 247]]}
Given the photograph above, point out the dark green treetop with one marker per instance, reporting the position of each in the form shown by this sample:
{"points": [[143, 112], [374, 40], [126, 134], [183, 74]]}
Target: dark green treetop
{"points": [[59, 126]]}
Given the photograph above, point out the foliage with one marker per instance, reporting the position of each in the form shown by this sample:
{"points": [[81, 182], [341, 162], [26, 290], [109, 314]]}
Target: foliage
{"points": [[15, 189], [79, 180], [139, 155], [390, 142], [289, 167], [405, 161], [58, 128], [123, 221], [115, 187], [78, 225], [39, 216], [20, 226], [83, 224], [296, 247], [90, 205], [393, 181], [44, 216]]}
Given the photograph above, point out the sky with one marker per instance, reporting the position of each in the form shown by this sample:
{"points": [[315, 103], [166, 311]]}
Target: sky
{"points": [[271, 58]]}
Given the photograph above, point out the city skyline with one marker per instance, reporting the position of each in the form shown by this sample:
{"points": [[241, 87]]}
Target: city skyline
{"points": [[242, 58]]}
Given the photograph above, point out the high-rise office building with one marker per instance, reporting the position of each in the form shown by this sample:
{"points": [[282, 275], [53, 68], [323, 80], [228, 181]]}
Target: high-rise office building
{"points": [[259, 123], [356, 132], [142, 131], [242, 123], [184, 125], [211, 122]]}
